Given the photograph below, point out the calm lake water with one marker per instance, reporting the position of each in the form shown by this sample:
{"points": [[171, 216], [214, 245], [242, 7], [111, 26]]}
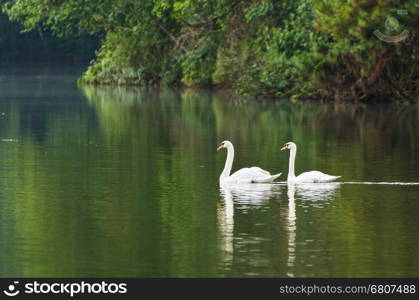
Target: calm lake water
{"points": [[115, 182]]}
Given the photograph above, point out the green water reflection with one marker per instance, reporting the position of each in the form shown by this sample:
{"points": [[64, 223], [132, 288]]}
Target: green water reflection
{"points": [[124, 182]]}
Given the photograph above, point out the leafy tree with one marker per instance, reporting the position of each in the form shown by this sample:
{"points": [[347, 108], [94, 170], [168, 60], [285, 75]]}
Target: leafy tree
{"points": [[358, 65], [299, 48]]}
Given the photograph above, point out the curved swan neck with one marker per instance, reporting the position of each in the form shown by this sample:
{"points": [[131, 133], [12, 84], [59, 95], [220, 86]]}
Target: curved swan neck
{"points": [[229, 163], [291, 171]]}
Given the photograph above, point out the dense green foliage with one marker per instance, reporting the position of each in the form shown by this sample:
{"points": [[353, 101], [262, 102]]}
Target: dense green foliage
{"points": [[290, 48], [359, 65]]}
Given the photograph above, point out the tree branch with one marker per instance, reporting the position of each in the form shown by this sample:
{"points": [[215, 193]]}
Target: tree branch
{"points": [[211, 20], [166, 31]]}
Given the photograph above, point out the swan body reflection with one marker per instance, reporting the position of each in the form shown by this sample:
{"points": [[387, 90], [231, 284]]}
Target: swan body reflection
{"points": [[246, 196], [315, 191], [304, 191], [291, 227], [251, 193], [245, 175], [225, 220]]}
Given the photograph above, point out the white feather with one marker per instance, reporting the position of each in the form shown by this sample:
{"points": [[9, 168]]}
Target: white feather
{"points": [[307, 177], [245, 175]]}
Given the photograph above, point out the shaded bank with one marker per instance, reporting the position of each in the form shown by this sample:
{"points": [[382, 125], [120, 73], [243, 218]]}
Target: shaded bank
{"points": [[42, 46], [286, 49]]}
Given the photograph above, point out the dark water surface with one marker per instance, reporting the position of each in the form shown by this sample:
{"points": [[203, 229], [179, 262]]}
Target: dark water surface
{"points": [[124, 182]]}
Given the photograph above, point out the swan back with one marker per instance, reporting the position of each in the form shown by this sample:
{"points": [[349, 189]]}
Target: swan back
{"points": [[315, 176]]}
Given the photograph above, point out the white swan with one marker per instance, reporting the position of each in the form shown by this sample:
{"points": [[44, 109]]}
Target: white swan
{"points": [[245, 175], [312, 176]]}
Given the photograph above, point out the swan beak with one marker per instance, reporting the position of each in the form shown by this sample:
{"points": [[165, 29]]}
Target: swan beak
{"points": [[284, 148], [220, 147]]}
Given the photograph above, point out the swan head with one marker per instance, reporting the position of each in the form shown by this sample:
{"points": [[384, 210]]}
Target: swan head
{"points": [[224, 144], [289, 146]]}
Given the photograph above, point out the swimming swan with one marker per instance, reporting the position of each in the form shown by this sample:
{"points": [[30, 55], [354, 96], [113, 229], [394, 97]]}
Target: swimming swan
{"points": [[245, 175], [312, 176]]}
